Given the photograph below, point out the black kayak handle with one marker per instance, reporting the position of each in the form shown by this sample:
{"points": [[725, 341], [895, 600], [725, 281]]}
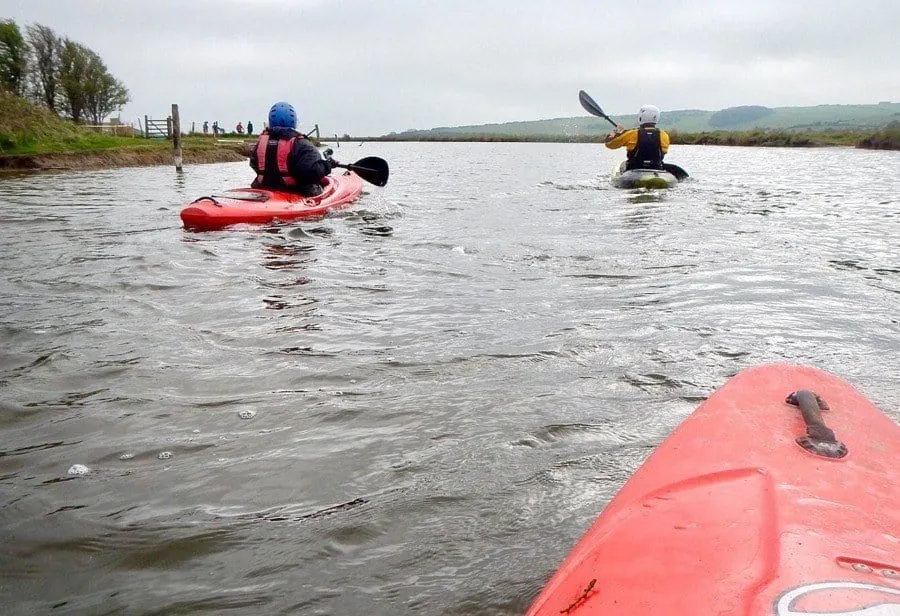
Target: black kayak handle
{"points": [[819, 439]]}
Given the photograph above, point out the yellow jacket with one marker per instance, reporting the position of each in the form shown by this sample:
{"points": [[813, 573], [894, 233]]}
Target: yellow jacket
{"points": [[629, 140]]}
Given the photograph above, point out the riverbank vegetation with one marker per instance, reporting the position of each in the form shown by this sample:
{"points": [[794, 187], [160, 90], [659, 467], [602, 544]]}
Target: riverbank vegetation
{"points": [[769, 138], [887, 139], [32, 137]]}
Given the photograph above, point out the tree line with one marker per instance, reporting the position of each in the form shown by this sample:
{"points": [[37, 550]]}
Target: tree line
{"points": [[58, 73]]}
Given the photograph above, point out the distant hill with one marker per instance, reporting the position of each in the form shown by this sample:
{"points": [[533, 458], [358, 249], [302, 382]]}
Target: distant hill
{"points": [[821, 118]]}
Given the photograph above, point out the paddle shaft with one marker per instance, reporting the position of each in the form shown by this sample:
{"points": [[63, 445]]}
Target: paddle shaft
{"points": [[609, 119], [354, 167]]}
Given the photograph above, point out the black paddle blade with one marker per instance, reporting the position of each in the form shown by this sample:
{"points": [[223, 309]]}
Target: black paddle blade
{"points": [[372, 169], [679, 173], [591, 106]]}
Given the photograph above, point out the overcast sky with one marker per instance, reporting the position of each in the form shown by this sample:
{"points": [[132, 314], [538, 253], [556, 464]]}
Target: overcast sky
{"points": [[369, 67]]}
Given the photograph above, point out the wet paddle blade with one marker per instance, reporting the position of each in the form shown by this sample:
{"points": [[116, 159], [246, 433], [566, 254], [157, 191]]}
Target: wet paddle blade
{"points": [[372, 169], [591, 106]]}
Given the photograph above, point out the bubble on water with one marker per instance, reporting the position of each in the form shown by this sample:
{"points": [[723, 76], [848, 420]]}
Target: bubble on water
{"points": [[126, 456], [164, 455], [247, 414], [79, 469], [196, 431]]}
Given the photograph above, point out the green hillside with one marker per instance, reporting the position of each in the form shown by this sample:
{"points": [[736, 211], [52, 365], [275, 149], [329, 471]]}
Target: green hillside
{"points": [[821, 118]]}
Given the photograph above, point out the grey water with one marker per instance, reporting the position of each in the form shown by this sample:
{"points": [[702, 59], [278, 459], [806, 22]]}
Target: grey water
{"points": [[415, 406]]}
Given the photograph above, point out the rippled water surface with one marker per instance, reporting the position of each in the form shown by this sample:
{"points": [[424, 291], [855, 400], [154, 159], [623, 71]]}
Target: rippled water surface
{"points": [[414, 407]]}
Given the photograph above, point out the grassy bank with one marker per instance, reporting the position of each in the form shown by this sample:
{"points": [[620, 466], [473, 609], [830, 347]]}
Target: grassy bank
{"points": [[768, 138], [102, 154], [888, 139], [764, 138], [34, 138]]}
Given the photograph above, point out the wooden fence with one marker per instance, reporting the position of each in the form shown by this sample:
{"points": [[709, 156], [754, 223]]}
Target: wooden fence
{"points": [[157, 128]]}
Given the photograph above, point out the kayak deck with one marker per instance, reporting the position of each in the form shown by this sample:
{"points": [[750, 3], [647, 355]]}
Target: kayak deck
{"points": [[261, 206], [731, 516], [641, 178]]}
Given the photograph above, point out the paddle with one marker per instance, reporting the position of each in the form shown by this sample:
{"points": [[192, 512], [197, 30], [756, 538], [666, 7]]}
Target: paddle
{"points": [[591, 106], [372, 169]]}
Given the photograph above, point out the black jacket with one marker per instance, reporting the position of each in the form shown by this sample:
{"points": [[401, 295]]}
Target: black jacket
{"points": [[305, 164]]}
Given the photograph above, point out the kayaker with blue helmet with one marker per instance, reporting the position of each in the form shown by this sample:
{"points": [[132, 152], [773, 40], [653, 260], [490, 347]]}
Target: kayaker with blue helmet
{"points": [[646, 145], [285, 159]]}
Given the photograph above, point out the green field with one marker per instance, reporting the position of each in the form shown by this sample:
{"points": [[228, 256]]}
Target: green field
{"points": [[26, 130], [829, 123]]}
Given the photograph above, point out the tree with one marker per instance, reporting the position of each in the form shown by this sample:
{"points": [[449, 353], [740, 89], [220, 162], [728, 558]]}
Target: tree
{"points": [[74, 59], [13, 57], [45, 46], [104, 93]]}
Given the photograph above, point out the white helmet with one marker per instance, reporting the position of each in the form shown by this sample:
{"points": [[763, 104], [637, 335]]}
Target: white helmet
{"points": [[649, 114]]}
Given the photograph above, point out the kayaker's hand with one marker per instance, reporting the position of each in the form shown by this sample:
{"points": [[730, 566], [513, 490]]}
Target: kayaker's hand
{"points": [[333, 162], [327, 152]]}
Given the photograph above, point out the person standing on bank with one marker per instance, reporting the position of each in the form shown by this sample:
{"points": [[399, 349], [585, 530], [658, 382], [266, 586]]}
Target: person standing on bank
{"points": [[249, 127], [284, 159], [646, 145]]}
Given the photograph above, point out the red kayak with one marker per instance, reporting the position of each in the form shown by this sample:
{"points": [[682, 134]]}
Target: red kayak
{"points": [[258, 206], [779, 495]]}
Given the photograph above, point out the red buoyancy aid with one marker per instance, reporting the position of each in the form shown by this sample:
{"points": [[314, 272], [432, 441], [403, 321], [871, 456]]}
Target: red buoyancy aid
{"points": [[281, 158]]}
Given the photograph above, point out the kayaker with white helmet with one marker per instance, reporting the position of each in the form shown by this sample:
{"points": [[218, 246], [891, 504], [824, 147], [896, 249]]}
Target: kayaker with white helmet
{"points": [[646, 145], [285, 159]]}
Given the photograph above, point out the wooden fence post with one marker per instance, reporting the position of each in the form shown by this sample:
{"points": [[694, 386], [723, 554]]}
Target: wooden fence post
{"points": [[176, 137], [146, 127]]}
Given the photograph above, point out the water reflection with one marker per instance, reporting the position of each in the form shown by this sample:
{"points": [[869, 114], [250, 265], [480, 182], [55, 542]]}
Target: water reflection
{"points": [[370, 223], [278, 256]]}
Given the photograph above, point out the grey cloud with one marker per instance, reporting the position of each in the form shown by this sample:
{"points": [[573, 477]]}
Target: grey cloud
{"points": [[369, 68]]}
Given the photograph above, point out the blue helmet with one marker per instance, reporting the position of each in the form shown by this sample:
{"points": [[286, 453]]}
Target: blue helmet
{"points": [[282, 115]]}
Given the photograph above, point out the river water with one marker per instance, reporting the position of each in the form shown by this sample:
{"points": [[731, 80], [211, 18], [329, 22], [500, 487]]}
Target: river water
{"points": [[416, 407]]}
